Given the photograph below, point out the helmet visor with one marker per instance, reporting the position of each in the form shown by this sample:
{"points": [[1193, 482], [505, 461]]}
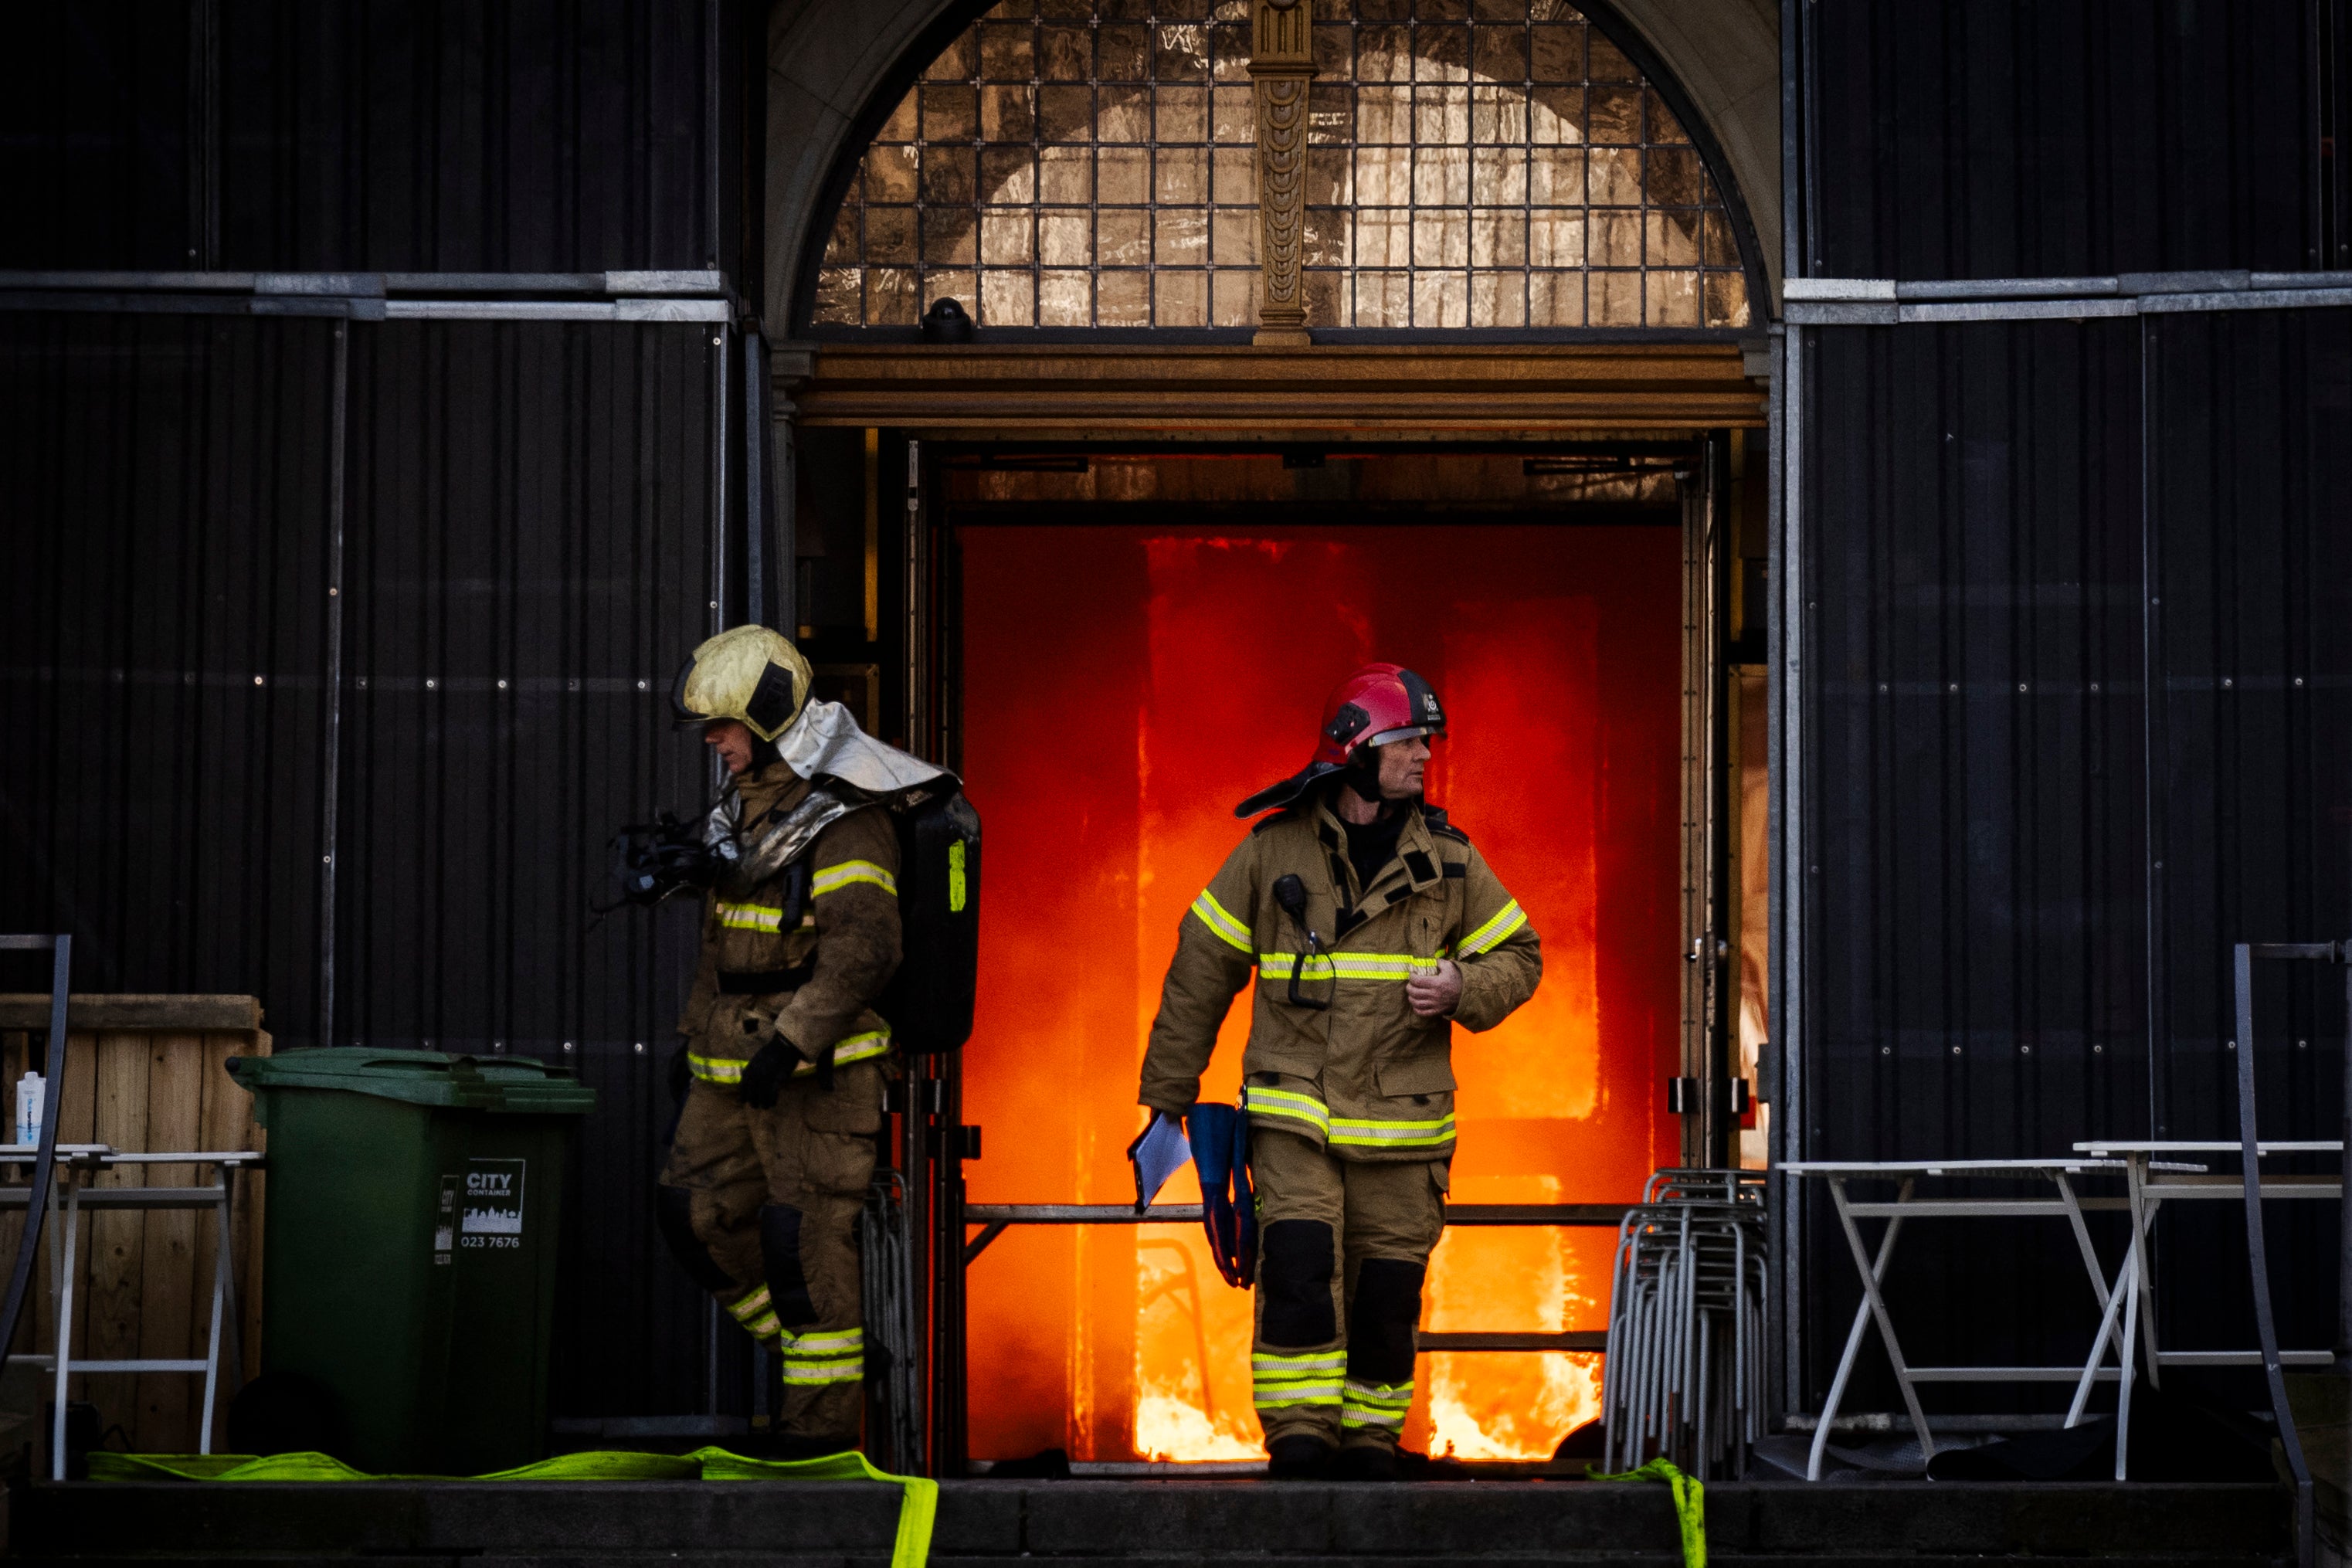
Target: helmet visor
{"points": [[1434, 731]]}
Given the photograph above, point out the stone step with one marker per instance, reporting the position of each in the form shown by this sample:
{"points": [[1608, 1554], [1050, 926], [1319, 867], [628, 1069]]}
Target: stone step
{"points": [[1148, 1524]]}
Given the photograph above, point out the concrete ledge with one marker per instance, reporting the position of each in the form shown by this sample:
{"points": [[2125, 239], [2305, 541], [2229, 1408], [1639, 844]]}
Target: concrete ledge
{"points": [[1146, 1524]]}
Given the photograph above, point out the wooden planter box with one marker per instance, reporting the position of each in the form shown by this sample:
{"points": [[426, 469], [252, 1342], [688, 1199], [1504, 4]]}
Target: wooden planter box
{"points": [[145, 1073]]}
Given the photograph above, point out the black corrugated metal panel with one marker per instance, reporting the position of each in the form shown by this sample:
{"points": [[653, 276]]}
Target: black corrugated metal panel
{"points": [[367, 135], [162, 609], [529, 556], [95, 121], [410, 135], [2021, 138], [1999, 753], [2250, 514]]}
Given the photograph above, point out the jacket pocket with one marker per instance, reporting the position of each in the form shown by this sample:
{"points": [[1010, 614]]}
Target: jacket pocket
{"points": [[1420, 1075]]}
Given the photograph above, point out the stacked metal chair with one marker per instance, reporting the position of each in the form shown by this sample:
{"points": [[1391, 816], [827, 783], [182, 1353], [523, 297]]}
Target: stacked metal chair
{"points": [[1683, 1375]]}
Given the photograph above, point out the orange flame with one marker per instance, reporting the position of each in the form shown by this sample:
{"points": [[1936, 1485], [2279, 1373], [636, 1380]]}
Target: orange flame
{"points": [[1124, 686]]}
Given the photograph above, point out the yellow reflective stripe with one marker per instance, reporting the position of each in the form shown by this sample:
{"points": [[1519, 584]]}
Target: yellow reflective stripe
{"points": [[1277, 966], [1282, 1102], [1278, 1397], [750, 1306], [1220, 919], [1497, 931], [1396, 1395], [832, 879], [1322, 1360], [851, 1341], [760, 1327], [716, 1069], [804, 1373], [854, 1049], [751, 917], [1393, 1135]]}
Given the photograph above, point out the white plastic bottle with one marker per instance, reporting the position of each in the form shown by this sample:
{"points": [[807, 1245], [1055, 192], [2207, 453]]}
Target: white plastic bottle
{"points": [[30, 1096]]}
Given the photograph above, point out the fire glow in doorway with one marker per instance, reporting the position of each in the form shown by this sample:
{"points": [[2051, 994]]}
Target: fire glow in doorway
{"points": [[1123, 686]]}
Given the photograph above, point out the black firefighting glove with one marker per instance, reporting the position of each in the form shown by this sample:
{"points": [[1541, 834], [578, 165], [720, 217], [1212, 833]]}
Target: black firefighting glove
{"points": [[764, 1073]]}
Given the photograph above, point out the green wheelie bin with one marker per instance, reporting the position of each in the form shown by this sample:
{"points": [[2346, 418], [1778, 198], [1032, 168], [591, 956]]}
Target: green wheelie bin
{"points": [[414, 1201]]}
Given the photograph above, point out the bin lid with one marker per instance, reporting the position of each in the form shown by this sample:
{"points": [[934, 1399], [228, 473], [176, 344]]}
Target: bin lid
{"points": [[422, 1077]]}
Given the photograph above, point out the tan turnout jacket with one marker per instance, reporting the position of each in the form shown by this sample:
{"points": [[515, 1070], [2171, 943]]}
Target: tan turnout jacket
{"points": [[816, 976], [1368, 1078]]}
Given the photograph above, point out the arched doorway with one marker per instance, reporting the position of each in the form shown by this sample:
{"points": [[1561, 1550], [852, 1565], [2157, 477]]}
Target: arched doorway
{"points": [[1105, 556]]}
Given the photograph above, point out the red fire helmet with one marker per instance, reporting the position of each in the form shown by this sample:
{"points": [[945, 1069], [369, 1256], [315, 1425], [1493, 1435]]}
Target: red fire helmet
{"points": [[1376, 705]]}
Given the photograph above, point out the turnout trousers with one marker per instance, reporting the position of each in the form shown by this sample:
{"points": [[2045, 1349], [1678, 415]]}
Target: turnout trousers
{"points": [[1343, 1246], [764, 1207]]}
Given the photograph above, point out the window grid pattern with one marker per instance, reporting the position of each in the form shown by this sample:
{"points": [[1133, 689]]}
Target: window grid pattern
{"points": [[1486, 164], [1494, 163], [1063, 163]]}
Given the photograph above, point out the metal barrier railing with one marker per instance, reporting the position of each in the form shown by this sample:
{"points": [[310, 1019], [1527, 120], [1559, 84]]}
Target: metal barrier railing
{"points": [[993, 1219]]}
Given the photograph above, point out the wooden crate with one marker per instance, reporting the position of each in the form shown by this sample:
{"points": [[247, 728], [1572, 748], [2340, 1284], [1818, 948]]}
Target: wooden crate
{"points": [[146, 1073]]}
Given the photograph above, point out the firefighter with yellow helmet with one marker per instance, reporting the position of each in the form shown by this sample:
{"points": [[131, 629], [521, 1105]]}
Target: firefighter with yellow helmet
{"points": [[782, 1054], [1373, 926]]}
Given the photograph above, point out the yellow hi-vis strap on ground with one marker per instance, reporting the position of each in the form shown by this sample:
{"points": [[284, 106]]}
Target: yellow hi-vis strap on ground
{"points": [[1497, 931], [1220, 919], [832, 879], [917, 1510], [1690, 1503]]}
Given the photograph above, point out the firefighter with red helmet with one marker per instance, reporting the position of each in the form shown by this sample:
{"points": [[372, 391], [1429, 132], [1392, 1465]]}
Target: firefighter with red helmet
{"points": [[1373, 926]]}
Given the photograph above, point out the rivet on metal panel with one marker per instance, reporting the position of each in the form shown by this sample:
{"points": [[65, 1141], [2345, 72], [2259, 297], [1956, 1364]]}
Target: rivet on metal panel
{"points": [[502, 686], [190, 679], [2298, 681], [2232, 1045], [1882, 686], [2098, 1050], [2302, 1045], [428, 683], [497, 1045], [256, 680], [1954, 687], [641, 686], [362, 683], [2159, 866], [331, 593], [639, 1047], [1814, 870], [1886, 1050], [1956, 1050], [327, 860], [2225, 683], [2025, 1050], [2095, 686], [2020, 685], [567, 1045]]}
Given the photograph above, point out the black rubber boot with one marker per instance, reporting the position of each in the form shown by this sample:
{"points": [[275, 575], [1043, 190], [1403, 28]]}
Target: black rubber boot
{"points": [[1368, 1462], [1298, 1458]]}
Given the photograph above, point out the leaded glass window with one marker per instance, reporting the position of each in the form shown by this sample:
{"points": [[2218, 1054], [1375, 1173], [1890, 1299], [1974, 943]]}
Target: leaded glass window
{"points": [[1494, 163]]}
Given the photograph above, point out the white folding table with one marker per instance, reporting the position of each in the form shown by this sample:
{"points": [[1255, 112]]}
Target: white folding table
{"points": [[2153, 1183], [2068, 1204]]}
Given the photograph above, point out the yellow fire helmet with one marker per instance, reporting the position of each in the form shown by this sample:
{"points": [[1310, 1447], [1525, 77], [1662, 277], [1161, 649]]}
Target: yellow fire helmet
{"points": [[752, 674]]}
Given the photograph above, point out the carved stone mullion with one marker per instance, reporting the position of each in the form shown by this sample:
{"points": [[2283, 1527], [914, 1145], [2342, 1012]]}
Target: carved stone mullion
{"points": [[1282, 63]]}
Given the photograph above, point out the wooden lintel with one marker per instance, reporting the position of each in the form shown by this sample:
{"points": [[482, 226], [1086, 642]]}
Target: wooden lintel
{"points": [[100, 1010], [1383, 387]]}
